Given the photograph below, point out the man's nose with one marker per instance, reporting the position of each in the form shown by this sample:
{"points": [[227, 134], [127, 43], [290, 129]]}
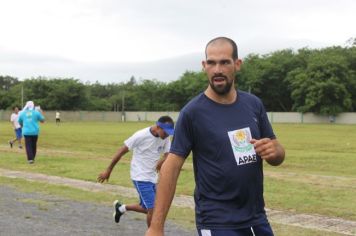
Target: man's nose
{"points": [[218, 68]]}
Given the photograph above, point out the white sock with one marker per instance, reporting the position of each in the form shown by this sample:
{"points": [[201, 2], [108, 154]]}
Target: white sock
{"points": [[122, 208]]}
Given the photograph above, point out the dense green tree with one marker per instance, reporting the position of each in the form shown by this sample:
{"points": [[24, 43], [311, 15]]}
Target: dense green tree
{"points": [[8, 99], [103, 97], [351, 85], [321, 86], [55, 94], [7, 82], [66, 94], [266, 78], [188, 86], [321, 81]]}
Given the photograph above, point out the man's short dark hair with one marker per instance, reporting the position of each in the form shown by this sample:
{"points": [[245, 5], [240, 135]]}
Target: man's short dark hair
{"points": [[165, 119], [232, 43]]}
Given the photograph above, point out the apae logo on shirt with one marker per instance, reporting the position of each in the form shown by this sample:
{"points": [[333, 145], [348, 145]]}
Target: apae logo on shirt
{"points": [[243, 150]]}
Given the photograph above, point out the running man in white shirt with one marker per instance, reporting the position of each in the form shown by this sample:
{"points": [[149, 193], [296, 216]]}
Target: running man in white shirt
{"points": [[148, 145], [14, 119]]}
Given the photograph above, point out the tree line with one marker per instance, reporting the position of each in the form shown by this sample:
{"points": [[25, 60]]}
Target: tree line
{"points": [[322, 81]]}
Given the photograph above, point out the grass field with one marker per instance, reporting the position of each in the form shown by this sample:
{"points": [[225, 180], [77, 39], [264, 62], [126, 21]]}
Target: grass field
{"points": [[318, 175]]}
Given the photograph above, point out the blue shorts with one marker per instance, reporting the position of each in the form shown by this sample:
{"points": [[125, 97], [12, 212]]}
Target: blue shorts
{"points": [[257, 230], [18, 133], [147, 192]]}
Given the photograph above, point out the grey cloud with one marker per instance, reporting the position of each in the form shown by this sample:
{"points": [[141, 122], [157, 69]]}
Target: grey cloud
{"points": [[28, 66]]}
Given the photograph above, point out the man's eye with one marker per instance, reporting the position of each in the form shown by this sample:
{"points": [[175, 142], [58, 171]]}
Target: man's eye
{"points": [[210, 62]]}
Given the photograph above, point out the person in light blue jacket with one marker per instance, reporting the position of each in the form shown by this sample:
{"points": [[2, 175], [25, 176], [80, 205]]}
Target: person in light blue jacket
{"points": [[29, 120]]}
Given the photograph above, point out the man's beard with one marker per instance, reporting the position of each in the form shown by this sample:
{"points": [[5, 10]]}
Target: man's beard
{"points": [[221, 90]]}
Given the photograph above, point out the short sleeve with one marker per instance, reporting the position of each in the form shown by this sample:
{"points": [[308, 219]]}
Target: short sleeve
{"points": [[40, 116], [167, 146], [265, 126], [182, 142], [132, 141]]}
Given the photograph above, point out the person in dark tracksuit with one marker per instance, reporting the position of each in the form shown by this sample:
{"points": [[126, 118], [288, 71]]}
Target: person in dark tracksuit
{"points": [[29, 120]]}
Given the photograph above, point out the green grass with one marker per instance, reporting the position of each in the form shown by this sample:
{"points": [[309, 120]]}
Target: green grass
{"points": [[287, 230], [323, 149], [318, 175], [310, 198]]}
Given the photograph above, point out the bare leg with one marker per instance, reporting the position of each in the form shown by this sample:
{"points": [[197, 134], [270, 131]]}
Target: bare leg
{"points": [[19, 142], [137, 208], [11, 142], [140, 209], [149, 216]]}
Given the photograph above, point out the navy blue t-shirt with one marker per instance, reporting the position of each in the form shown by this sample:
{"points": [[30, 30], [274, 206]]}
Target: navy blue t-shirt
{"points": [[228, 194]]}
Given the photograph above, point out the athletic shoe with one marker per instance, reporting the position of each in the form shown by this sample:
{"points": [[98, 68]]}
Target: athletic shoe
{"points": [[31, 161], [10, 144], [20, 147], [117, 214]]}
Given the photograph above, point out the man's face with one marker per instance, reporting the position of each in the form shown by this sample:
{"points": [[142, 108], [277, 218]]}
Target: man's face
{"points": [[161, 133], [220, 67]]}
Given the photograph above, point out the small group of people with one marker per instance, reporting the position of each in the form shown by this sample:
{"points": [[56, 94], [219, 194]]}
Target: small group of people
{"points": [[26, 124], [229, 135]]}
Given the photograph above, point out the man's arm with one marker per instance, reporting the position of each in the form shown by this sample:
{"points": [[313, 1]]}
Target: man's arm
{"points": [[165, 192], [12, 121], [20, 120], [160, 161], [41, 117], [270, 150], [105, 175]]}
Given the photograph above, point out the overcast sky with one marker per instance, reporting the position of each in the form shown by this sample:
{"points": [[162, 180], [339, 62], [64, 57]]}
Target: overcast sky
{"points": [[111, 40]]}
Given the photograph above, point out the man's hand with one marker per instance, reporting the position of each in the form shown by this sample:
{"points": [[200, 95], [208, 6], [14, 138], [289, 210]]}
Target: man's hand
{"points": [[159, 165], [269, 150], [104, 176]]}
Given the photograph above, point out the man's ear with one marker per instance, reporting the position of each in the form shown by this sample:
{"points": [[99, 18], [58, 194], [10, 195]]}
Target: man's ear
{"points": [[238, 64], [203, 63]]}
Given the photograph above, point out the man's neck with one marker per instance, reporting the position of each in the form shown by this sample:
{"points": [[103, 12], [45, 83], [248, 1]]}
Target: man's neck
{"points": [[153, 131], [228, 98]]}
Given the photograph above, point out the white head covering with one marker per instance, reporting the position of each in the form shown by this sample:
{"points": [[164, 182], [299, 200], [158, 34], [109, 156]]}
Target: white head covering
{"points": [[29, 105]]}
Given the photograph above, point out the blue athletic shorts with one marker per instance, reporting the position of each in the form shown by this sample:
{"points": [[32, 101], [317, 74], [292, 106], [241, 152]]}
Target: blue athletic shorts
{"points": [[18, 133], [257, 230], [147, 192]]}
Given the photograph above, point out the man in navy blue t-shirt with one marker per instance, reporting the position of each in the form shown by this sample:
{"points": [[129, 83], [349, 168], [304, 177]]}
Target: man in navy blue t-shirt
{"points": [[229, 135]]}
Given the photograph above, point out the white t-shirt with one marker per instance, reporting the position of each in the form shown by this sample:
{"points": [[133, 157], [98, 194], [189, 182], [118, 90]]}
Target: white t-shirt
{"points": [[147, 150], [15, 120]]}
